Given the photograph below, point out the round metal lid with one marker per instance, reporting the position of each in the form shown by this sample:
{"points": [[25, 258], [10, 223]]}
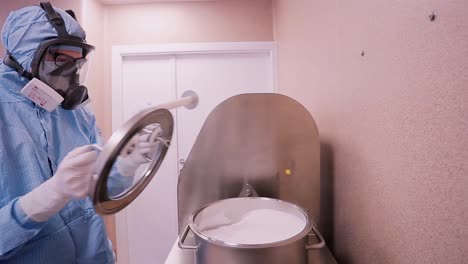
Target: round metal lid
{"points": [[118, 185]]}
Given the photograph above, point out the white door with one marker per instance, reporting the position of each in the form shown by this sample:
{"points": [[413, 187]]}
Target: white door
{"points": [[149, 221], [147, 229], [215, 78]]}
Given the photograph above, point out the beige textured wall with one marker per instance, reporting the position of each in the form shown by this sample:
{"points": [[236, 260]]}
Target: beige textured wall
{"points": [[393, 123]]}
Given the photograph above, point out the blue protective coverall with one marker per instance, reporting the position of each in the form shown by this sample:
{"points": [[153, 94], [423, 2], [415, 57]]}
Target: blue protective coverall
{"points": [[32, 144]]}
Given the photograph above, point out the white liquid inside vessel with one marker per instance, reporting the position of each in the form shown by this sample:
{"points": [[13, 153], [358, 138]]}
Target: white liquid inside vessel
{"points": [[259, 227]]}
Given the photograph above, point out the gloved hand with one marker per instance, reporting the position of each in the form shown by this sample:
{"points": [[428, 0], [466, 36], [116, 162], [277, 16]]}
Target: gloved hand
{"points": [[141, 151], [71, 181]]}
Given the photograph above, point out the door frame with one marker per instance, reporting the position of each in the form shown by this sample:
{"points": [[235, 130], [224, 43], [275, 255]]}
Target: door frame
{"points": [[119, 52], [122, 51]]}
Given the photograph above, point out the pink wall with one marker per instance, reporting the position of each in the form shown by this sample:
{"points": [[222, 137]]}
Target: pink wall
{"points": [[393, 122], [93, 23], [205, 21]]}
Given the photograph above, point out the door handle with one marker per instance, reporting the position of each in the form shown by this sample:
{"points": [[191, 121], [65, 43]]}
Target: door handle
{"points": [[182, 164]]}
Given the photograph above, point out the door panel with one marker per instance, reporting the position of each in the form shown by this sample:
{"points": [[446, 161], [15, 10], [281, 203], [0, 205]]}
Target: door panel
{"points": [[147, 80], [215, 78]]}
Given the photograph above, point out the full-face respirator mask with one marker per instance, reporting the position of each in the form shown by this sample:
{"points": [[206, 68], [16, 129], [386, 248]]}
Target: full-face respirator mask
{"points": [[58, 69]]}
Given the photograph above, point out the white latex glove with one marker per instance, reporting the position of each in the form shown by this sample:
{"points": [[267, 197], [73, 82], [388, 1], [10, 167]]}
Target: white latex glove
{"points": [[71, 181], [141, 150]]}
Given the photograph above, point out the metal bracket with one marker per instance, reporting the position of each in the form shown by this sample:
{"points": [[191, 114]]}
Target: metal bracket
{"points": [[182, 240], [248, 191]]}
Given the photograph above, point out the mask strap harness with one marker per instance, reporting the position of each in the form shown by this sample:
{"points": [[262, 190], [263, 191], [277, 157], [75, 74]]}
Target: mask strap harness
{"points": [[10, 61], [55, 19], [57, 22]]}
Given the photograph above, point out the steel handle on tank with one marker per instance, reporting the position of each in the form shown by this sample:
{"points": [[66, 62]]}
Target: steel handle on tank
{"points": [[182, 240], [321, 241]]}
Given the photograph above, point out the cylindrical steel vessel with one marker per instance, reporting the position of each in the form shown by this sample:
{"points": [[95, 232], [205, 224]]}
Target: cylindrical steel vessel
{"points": [[288, 245]]}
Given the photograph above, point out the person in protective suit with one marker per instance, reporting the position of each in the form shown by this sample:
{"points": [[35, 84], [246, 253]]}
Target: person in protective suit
{"points": [[47, 163]]}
